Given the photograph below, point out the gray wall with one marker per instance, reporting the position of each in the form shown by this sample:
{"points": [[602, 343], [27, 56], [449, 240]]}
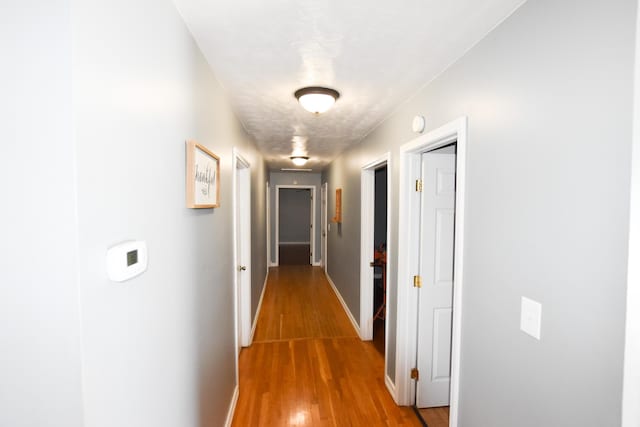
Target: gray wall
{"points": [[40, 355], [88, 168], [158, 350], [294, 178], [295, 220], [548, 97]]}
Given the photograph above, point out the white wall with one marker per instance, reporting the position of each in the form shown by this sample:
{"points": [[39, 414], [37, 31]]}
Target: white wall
{"points": [[39, 317], [158, 350], [548, 95]]}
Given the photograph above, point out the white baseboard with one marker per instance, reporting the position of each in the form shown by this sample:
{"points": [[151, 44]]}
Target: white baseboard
{"points": [[273, 264], [294, 243], [344, 305], [232, 407], [255, 319], [317, 264]]}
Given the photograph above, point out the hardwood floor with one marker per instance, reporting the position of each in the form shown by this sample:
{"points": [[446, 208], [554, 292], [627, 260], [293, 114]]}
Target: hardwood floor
{"points": [[307, 366], [299, 303], [435, 417]]}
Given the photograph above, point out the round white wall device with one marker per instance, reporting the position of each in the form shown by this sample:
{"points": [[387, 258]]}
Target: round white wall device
{"points": [[418, 124]]}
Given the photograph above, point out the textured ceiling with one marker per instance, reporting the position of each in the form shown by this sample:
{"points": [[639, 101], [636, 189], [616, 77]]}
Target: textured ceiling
{"points": [[375, 53]]}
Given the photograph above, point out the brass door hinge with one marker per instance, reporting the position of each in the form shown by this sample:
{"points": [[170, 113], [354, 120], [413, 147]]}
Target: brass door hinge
{"points": [[419, 185], [417, 281], [415, 375]]}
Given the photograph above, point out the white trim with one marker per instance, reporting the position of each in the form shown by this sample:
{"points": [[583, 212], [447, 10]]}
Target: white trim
{"points": [[367, 229], [294, 243], [317, 263], [324, 189], [344, 305], [255, 319], [406, 332], [312, 230], [631, 389], [268, 220], [390, 385], [242, 209], [232, 407]]}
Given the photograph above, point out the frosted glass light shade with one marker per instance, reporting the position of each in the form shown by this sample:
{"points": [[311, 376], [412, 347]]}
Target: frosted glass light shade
{"points": [[316, 99], [299, 160]]}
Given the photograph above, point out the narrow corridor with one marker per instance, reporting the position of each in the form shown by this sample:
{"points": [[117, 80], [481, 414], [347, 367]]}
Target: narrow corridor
{"points": [[307, 366]]}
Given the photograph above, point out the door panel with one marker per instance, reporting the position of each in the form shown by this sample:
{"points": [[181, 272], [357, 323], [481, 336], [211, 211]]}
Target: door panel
{"points": [[436, 269]]}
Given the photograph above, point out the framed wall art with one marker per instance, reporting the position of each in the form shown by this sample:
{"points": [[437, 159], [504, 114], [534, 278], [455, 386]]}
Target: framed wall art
{"points": [[203, 177], [338, 216]]}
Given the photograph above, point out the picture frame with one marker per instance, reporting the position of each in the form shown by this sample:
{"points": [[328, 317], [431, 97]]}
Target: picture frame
{"points": [[202, 177]]}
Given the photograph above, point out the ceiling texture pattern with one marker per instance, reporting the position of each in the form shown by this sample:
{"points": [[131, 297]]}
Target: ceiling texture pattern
{"points": [[375, 53]]}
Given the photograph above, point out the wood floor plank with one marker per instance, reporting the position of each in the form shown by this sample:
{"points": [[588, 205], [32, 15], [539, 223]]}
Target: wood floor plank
{"points": [[320, 374], [435, 417], [299, 303]]}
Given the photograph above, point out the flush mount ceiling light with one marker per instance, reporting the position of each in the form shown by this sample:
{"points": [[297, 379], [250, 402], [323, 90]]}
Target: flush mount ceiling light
{"points": [[316, 99], [299, 160]]}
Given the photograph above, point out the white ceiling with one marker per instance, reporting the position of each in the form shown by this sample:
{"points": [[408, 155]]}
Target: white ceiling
{"points": [[375, 53]]}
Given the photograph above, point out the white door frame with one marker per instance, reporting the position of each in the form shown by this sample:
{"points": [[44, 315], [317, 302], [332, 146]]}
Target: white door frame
{"points": [[242, 210], [324, 233], [408, 259], [367, 229], [631, 390], [313, 220], [268, 219]]}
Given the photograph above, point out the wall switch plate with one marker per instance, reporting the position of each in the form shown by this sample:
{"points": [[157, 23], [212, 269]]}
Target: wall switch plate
{"points": [[530, 317]]}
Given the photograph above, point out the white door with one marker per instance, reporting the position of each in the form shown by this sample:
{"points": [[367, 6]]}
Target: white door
{"points": [[436, 270], [243, 250]]}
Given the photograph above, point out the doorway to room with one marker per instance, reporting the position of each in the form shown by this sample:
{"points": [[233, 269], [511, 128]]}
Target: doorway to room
{"points": [[379, 263], [374, 254], [431, 256], [294, 225]]}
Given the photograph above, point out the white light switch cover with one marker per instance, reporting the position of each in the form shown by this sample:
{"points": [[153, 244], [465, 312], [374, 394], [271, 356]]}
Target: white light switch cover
{"points": [[530, 317]]}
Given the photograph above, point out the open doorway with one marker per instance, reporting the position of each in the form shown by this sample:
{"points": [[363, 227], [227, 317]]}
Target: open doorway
{"points": [[294, 225], [374, 255], [379, 263]]}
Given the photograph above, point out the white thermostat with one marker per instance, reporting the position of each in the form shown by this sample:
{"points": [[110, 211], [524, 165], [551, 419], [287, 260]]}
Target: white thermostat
{"points": [[126, 260]]}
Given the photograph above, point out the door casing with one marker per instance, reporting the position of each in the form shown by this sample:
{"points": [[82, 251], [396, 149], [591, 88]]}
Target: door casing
{"points": [[324, 233], [408, 259], [367, 228], [241, 202], [312, 239]]}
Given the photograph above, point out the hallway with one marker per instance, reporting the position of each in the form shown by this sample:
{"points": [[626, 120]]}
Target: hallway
{"points": [[307, 366]]}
